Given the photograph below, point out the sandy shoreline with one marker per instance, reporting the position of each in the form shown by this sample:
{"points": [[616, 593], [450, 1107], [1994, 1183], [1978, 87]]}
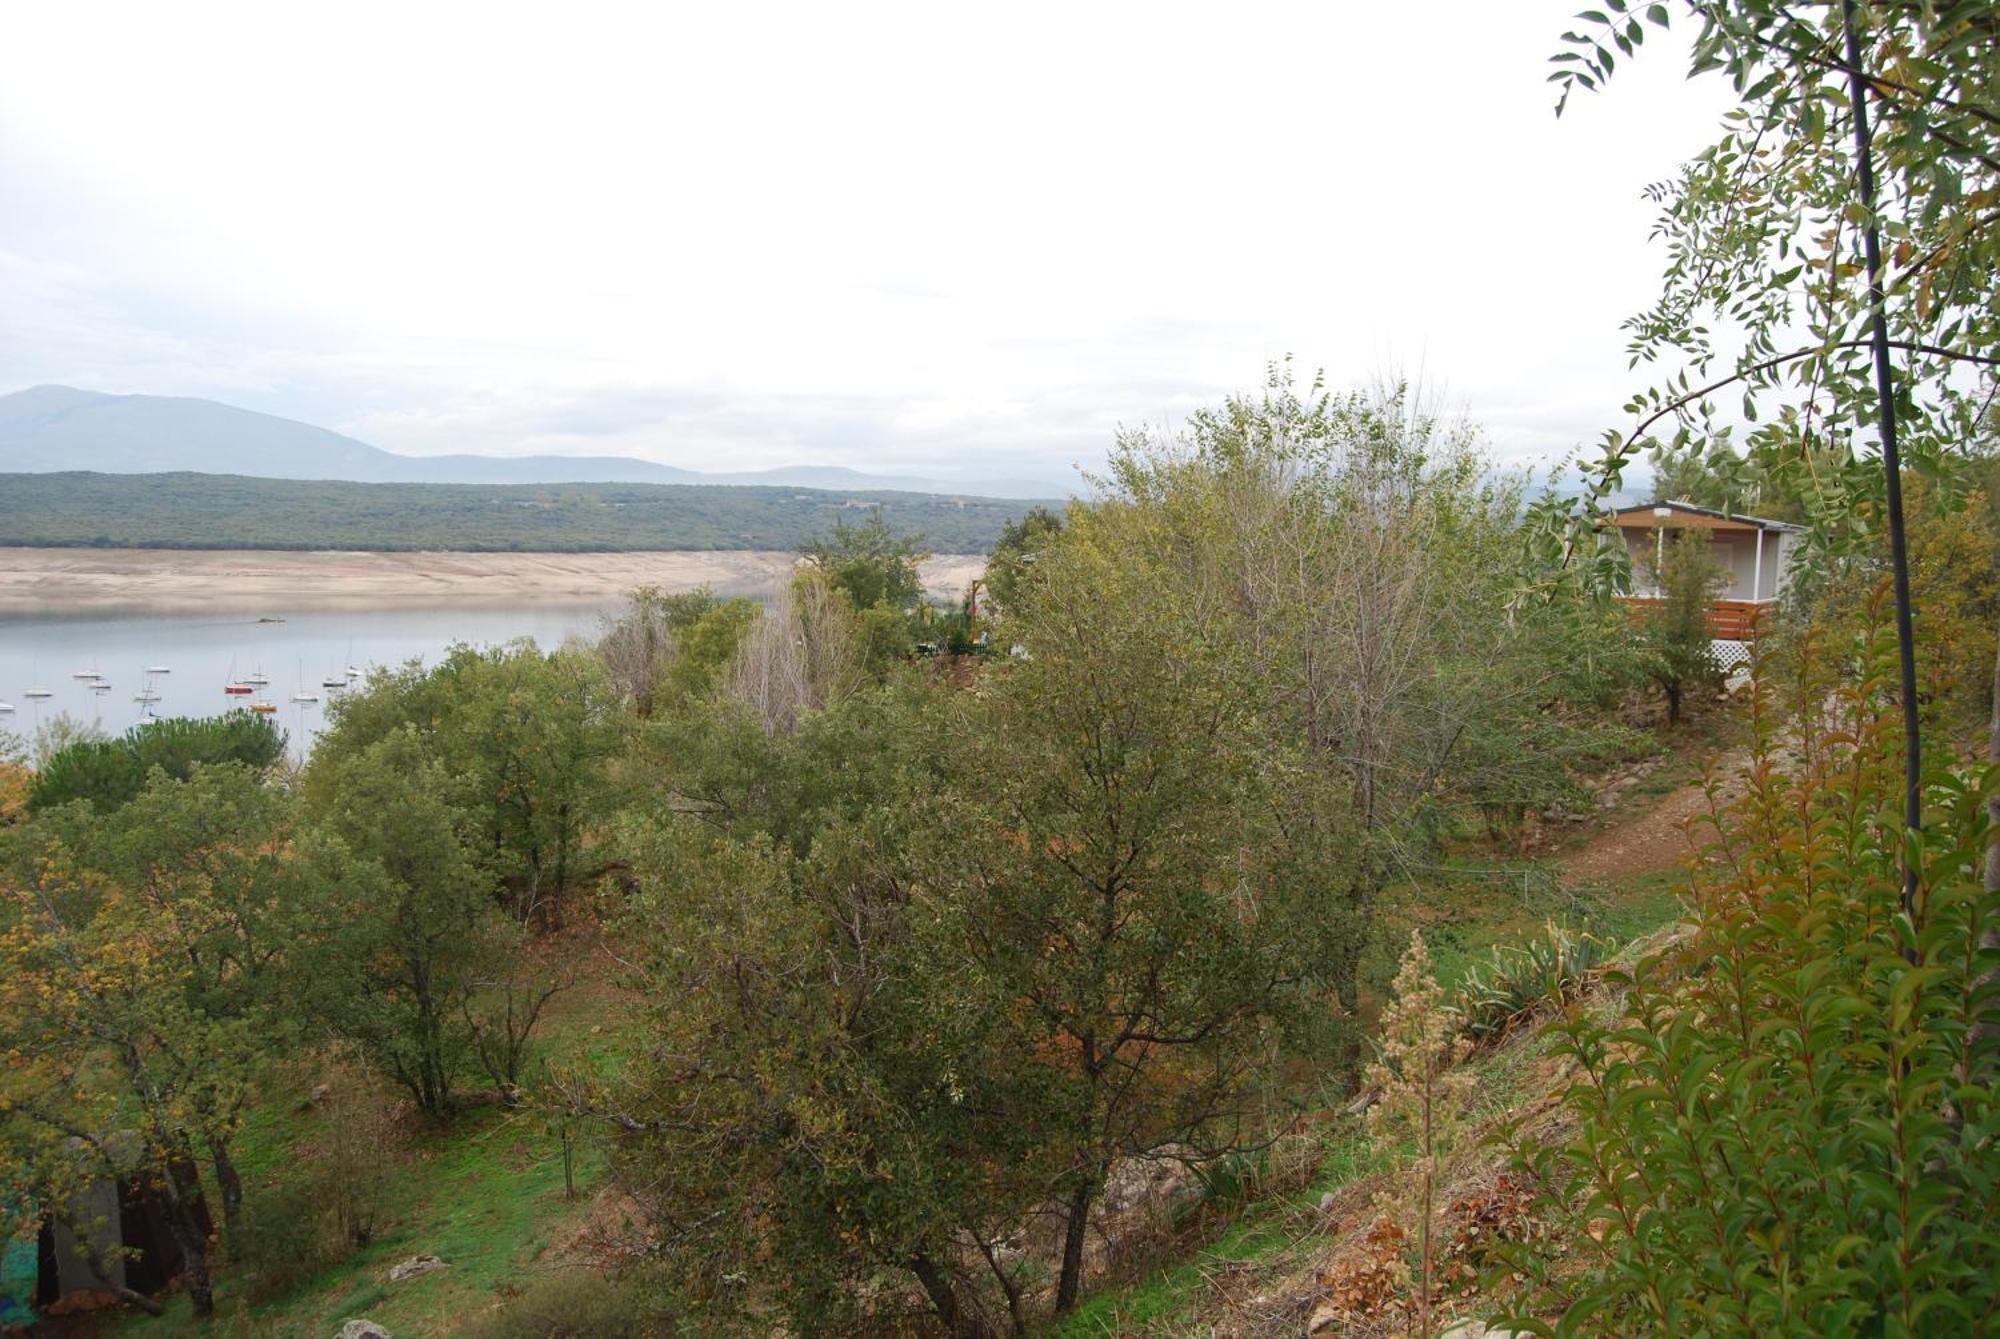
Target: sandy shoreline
{"points": [[274, 583]]}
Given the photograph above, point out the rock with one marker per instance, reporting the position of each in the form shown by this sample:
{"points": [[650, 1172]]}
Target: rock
{"points": [[415, 1265], [360, 1328], [1476, 1329]]}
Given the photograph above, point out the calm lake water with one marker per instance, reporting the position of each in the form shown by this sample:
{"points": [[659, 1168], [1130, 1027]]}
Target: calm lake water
{"points": [[203, 652]]}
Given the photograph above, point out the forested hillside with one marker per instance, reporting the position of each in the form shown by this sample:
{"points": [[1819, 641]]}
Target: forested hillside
{"points": [[221, 511]]}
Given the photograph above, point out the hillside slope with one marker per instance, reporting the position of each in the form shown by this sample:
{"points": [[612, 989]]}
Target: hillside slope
{"points": [[214, 511]]}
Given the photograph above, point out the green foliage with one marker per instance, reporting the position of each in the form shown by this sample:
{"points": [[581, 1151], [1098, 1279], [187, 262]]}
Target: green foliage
{"points": [[405, 933], [1787, 1126], [226, 511], [520, 738], [111, 772], [1367, 560], [869, 562], [1676, 643], [138, 957], [670, 649], [1765, 293], [286, 1239], [1549, 969], [1010, 565]]}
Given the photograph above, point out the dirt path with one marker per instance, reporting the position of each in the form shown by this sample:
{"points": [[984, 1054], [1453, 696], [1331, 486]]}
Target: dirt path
{"points": [[1654, 840]]}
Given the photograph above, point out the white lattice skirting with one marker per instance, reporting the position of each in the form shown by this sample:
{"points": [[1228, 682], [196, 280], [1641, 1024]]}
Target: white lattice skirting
{"points": [[1730, 654]]}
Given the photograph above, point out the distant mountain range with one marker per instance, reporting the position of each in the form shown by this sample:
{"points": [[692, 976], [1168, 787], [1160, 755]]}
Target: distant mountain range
{"points": [[46, 429]]}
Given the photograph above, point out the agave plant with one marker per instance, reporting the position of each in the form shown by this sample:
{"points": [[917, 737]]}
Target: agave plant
{"points": [[1551, 968]]}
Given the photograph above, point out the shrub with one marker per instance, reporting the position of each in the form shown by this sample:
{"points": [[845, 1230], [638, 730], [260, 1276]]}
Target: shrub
{"points": [[111, 772], [286, 1238], [1787, 1127], [1549, 969], [573, 1304]]}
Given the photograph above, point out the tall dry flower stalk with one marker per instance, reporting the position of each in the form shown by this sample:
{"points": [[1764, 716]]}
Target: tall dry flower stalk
{"points": [[1423, 1104]]}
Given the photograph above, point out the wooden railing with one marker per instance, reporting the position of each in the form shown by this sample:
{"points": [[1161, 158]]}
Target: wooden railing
{"points": [[1728, 620]]}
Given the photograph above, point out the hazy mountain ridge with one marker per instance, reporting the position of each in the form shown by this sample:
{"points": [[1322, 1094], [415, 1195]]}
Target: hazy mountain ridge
{"points": [[49, 429]]}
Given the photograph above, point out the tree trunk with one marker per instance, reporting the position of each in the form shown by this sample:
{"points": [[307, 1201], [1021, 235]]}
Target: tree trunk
{"points": [[958, 1322], [183, 1196], [130, 1296], [1071, 1281], [1674, 705], [230, 1182]]}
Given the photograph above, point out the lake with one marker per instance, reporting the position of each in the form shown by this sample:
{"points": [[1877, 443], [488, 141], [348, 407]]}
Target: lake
{"points": [[205, 651]]}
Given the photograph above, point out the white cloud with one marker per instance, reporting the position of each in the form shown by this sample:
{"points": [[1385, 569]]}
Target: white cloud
{"points": [[889, 236]]}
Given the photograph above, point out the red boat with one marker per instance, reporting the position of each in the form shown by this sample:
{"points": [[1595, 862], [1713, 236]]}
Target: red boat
{"points": [[238, 689]]}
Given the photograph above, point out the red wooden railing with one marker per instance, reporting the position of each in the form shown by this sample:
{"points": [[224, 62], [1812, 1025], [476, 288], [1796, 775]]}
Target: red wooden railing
{"points": [[1728, 620]]}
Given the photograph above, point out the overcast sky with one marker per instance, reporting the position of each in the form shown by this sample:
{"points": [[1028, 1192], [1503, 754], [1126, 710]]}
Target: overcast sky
{"points": [[963, 241]]}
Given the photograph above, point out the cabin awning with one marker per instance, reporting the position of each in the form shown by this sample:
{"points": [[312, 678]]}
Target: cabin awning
{"points": [[1687, 516]]}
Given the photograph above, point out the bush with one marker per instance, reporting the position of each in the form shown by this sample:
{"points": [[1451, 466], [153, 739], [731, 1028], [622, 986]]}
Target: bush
{"points": [[286, 1238], [1788, 1125], [111, 772], [573, 1304], [1549, 969]]}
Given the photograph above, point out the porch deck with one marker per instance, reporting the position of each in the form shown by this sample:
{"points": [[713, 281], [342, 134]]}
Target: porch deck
{"points": [[1728, 620]]}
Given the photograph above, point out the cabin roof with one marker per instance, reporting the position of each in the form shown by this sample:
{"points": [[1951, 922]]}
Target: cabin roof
{"points": [[1693, 517]]}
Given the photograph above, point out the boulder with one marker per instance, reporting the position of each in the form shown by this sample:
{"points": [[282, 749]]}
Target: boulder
{"points": [[361, 1328], [415, 1265]]}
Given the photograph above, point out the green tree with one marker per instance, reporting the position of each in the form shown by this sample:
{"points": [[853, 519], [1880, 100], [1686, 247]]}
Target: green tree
{"points": [[871, 564], [1677, 643], [670, 648], [404, 934], [521, 737], [1366, 558], [111, 772], [1010, 565], [140, 956], [1126, 854]]}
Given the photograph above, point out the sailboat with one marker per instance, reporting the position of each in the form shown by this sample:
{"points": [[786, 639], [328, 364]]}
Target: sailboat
{"points": [[6, 708], [38, 693], [147, 693], [304, 694], [159, 669], [257, 677]]}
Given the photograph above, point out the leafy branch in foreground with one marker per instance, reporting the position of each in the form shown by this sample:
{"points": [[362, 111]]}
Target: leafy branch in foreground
{"points": [[1787, 1125]]}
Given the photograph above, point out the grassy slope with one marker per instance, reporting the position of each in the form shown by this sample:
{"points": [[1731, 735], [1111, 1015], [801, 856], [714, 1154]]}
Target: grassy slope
{"points": [[484, 1194]]}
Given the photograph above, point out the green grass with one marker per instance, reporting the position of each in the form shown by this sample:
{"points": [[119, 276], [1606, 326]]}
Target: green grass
{"points": [[484, 1194]]}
